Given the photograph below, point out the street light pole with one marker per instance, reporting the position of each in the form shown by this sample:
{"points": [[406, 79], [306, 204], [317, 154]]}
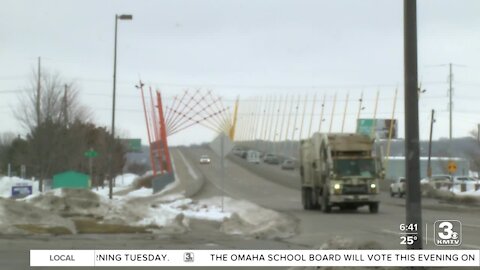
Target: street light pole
{"points": [[112, 143]]}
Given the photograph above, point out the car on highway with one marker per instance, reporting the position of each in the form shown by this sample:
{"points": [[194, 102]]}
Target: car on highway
{"points": [[238, 152], [463, 179], [205, 159], [271, 159], [253, 156], [437, 181], [288, 164], [398, 187]]}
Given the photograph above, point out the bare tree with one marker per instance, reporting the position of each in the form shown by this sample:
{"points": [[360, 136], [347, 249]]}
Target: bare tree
{"points": [[58, 102]]}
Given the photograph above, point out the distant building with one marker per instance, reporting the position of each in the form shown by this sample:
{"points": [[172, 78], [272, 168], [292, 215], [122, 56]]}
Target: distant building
{"points": [[395, 166]]}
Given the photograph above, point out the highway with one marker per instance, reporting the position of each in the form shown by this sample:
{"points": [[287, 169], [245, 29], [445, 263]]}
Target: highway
{"points": [[271, 187]]}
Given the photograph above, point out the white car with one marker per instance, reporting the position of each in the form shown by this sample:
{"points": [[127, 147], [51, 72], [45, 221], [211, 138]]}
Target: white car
{"points": [[463, 179], [398, 187], [204, 159]]}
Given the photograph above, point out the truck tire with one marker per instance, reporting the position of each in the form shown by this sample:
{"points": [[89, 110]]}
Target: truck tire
{"points": [[373, 207], [307, 198], [315, 202], [392, 194], [326, 207]]}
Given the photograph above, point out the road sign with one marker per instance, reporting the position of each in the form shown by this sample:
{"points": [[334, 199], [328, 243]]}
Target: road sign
{"points": [[132, 145], [21, 190], [216, 145], [452, 166], [91, 153]]}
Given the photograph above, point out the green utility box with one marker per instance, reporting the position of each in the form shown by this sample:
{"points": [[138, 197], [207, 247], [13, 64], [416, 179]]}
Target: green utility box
{"points": [[71, 179]]}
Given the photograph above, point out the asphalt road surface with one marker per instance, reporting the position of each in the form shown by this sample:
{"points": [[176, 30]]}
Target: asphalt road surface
{"points": [[267, 186]]}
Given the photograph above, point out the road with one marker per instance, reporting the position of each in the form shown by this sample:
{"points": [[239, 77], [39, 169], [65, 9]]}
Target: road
{"points": [[267, 186], [270, 187]]}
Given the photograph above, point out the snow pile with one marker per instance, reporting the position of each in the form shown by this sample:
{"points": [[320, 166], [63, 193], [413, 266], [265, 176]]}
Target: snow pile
{"points": [[470, 189], [247, 218], [70, 202], [125, 180], [6, 184], [167, 211], [17, 213]]}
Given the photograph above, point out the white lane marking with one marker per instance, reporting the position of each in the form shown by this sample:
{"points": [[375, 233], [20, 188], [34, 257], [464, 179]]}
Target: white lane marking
{"points": [[431, 239], [191, 171]]}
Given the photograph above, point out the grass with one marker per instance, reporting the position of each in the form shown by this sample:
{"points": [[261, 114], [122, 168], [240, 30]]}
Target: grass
{"points": [[93, 226]]}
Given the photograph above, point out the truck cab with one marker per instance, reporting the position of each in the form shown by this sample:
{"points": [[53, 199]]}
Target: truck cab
{"points": [[339, 170]]}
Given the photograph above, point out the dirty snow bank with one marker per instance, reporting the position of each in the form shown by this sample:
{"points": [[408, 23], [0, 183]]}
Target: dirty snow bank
{"points": [[14, 213]]}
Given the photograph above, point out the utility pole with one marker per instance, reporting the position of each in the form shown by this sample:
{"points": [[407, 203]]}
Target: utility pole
{"points": [[412, 155], [321, 113], [360, 108], [37, 104], [65, 106], [450, 93], [429, 164]]}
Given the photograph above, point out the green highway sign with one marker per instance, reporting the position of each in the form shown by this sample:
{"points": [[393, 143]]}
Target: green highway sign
{"points": [[132, 145], [90, 153]]}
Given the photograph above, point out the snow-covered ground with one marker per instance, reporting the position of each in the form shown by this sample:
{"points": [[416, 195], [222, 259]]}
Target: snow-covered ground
{"points": [[6, 184], [164, 211]]}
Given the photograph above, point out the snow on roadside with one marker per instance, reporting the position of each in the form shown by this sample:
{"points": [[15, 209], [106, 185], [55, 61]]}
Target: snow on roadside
{"points": [[6, 184], [470, 190], [168, 210], [125, 180]]}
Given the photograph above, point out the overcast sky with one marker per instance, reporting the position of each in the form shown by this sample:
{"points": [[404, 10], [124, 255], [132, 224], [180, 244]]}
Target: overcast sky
{"points": [[247, 48]]}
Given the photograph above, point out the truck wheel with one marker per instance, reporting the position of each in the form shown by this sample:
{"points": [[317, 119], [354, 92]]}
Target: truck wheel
{"points": [[315, 202], [392, 194], [373, 207], [307, 198], [400, 194], [326, 207]]}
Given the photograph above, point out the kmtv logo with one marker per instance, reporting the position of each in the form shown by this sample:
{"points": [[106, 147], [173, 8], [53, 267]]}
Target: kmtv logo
{"points": [[448, 233]]}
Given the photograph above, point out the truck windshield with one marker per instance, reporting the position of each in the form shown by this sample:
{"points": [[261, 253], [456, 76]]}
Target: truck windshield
{"points": [[354, 167]]}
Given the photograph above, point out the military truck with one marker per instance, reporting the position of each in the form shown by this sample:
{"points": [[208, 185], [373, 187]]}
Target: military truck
{"points": [[339, 169]]}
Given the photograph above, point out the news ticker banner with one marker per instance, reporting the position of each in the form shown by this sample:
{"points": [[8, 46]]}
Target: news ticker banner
{"points": [[168, 258]]}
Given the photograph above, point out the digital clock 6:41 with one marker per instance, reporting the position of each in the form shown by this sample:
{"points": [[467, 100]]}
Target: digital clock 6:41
{"points": [[413, 227]]}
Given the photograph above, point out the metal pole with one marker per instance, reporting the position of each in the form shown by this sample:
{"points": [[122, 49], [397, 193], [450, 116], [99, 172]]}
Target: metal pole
{"points": [[284, 150], [390, 130], [450, 90], [284, 114], [303, 117], [333, 112], [295, 124], [412, 155], [39, 85], [345, 112], [112, 143], [275, 131], [374, 124], [311, 117], [360, 105], [321, 114], [9, 170], [429, 165], [222, 158]]}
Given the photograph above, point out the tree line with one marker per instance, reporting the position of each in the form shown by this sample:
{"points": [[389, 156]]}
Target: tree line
{"points": [[59, 132]]}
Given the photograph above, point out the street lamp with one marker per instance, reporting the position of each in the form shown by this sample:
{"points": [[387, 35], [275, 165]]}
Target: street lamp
{"points": [[117, 17]]}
